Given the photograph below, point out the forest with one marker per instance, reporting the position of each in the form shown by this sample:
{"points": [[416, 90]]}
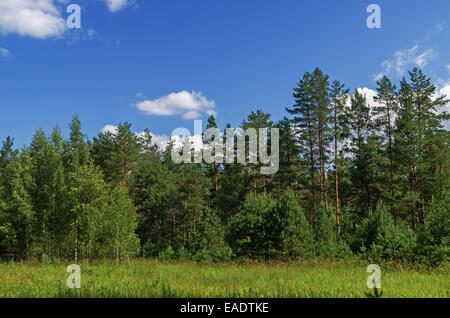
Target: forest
{"points": [[354, 180]]}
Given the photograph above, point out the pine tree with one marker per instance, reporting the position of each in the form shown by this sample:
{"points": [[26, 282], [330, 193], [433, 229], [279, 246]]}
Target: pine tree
{"points": [[338, 97], [433, 241], [257, 120], [124, 156], [321, 101], [232, 190], [420, 120], [386, 113], [304, 123], [208, 240], [249, 234], [361, 145], [158, 203], [213, 169], [326, 240], [7, 153], [405, 150], [312, 117], [296, 235], [101, 151], [383, 238], [290, 166]]}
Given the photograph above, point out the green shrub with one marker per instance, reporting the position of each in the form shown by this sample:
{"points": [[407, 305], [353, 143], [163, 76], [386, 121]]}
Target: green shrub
{"points": [[45, 259], [297, 239], [382, 238], [167, 254], [349, 226], [150, 249], [433, 241], [208, 239], [251, 233], [7, 241], [183, 253], [326, 240]]}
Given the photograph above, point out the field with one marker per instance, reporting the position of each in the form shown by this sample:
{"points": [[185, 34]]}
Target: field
{"points": [[154, 279]]}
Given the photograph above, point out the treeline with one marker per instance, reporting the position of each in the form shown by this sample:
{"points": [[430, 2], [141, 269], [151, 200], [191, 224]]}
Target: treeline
{"points": [[354, 179]]}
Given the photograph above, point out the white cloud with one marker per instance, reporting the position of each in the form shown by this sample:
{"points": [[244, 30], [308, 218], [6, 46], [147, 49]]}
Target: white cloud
{"points": [[35, 18], [404, 59], [160, 140], [109, 129], [4, 52], [42, 19], [422, 59], [370, 96], [117, 5], [367, 91], [196, 142], [189, 105]]}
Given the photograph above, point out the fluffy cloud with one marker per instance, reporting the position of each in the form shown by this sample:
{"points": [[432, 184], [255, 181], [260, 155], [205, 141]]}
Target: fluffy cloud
{"points": [[117, 5], [404, 59], [109, 129], [371, 99], [189, 105], [4, 52], [370, 95], [41, 19], [36, 18]]}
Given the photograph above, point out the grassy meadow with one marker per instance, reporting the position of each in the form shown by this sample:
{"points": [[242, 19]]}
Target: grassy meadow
{"points": [[155, 279]]}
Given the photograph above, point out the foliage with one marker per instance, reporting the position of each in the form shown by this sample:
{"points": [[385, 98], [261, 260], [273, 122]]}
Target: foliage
{"points": [[433, 242], [251, 234], [121, 195], [326, 240], [208, 242], [296, 237], [383, 238]]}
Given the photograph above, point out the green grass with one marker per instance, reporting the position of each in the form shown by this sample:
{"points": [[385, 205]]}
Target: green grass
{"points": [[154, 279]]}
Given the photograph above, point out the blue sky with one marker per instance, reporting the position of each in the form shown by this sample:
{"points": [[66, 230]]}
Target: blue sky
{"points": [[160, 64]]}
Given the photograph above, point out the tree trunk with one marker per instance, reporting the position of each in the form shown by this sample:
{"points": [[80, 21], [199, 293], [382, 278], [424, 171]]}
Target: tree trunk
{"points": [[336, 178]]}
